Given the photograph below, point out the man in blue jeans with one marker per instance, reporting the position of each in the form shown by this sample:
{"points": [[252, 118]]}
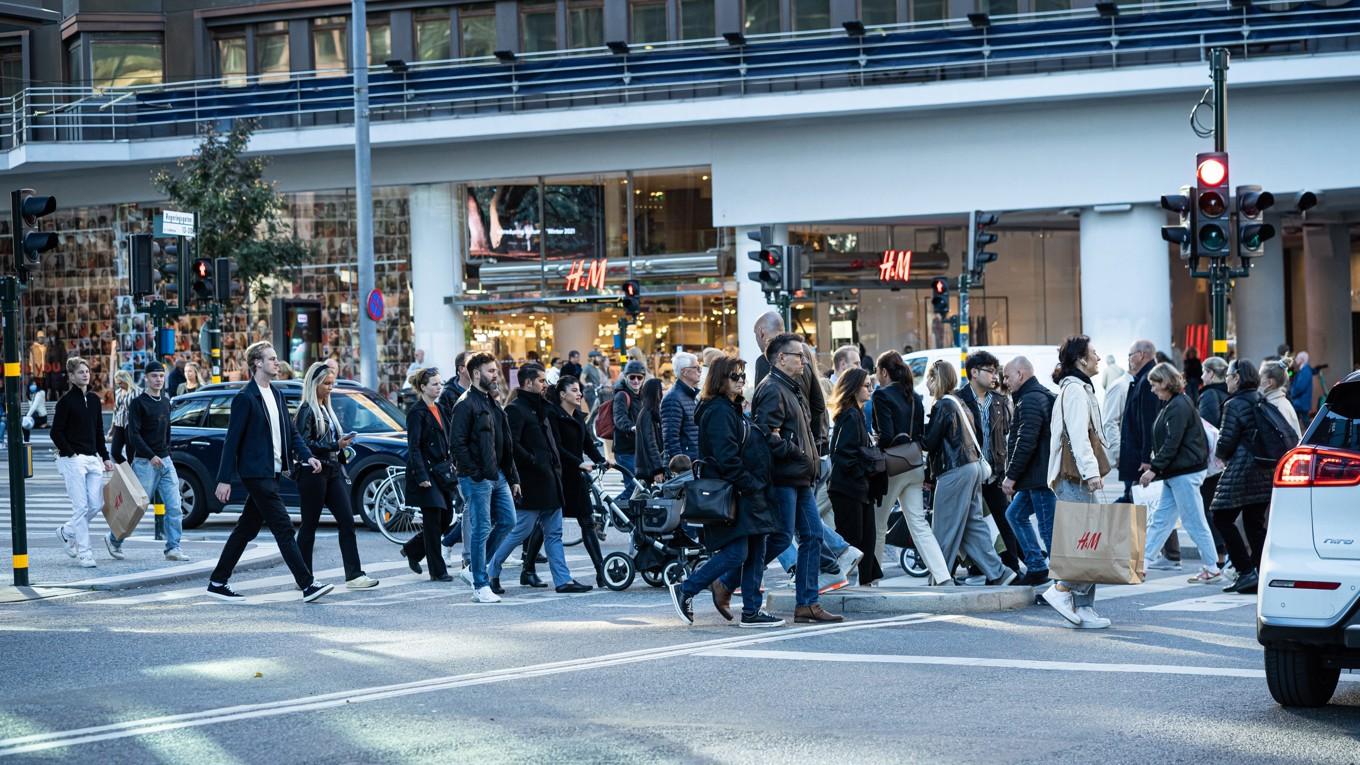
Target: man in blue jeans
{"points": [[487, 479], [1026, 481], [148, 430]]}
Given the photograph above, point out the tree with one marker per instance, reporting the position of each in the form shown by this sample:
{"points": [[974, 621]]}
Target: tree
{"points": [[240, 214]]}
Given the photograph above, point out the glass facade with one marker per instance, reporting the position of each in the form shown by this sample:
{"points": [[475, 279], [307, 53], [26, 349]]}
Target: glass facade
{"points": [[585, 24], [124, 63], [434, 36], [538, 28], [647, 21], [476, 30]]}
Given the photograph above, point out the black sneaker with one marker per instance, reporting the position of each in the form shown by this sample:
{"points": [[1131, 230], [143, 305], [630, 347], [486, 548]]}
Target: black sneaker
{"points": [[496, 585], [314, 591], [760, 619], [574, 588], [684, 605], [223, 592], [1033, 578]]}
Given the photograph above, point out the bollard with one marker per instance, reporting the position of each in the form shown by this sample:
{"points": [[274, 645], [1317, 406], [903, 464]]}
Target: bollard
{"points": [[159, 509]]}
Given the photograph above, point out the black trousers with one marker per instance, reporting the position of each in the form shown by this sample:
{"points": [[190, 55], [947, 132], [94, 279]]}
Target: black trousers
{"points": [[588, 540], [264, 506], [1206, 493], [328, 489], [997, 503], [120, 442], [1254, 521], [426, 544], [855, 523]]}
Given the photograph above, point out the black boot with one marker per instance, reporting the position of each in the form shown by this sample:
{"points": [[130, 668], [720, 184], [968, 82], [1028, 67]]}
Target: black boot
{"points": [[529, 578], [496, 585]]}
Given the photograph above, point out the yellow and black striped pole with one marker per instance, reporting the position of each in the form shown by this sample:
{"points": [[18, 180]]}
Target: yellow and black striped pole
{"points": [[9, 295]]}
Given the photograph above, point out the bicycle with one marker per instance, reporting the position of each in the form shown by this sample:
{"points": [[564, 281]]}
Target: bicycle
{"points": [[396, 520]]}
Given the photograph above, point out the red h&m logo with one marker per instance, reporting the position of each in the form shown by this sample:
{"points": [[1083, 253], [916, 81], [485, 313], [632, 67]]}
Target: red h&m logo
{"points": [[587, 275], [895, 266], [1089, 541]]}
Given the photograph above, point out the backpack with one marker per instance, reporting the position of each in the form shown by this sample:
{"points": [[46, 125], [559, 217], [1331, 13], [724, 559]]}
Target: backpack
{"points": [[604, 417], [1274, 435]]}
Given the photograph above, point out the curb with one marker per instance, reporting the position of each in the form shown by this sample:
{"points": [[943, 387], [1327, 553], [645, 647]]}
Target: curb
{"points": [[877, 600], [255, 557]]}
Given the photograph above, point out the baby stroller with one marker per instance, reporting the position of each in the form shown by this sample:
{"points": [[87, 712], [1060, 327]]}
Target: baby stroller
{"points": [[662, 549]]}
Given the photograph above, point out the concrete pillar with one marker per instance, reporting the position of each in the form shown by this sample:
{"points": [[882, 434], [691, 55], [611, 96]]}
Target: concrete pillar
{"points": [[576, 332], [1258, 301], [436, 273], [1327, 285], [1125, 279], [751, 301]]}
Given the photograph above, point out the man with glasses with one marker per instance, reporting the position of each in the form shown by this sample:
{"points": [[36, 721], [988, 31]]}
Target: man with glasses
{"points": [[1135, 437], [627, 402], [990, 409], [679, 432]]}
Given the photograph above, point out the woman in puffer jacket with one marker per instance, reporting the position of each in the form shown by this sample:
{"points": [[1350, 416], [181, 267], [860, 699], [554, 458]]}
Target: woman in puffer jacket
{"points": [[1244, 488]]}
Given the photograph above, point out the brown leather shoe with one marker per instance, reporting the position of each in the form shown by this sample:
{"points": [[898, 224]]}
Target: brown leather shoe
{"points": [[815, 614], [722, 599]]}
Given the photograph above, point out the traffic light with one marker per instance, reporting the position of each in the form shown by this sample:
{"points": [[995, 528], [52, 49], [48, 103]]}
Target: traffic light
{"points": [[1211, 204], [939, 295], [978, 257], [632, 298], [770, 256], [201, 274], [1183, 204], [26, 207], [169, 269], [1252, 230], [140, 260], [223, 282], [795, 267]]}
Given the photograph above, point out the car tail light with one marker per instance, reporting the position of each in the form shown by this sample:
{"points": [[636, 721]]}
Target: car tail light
{"points": [[1310, 466], [1299, 584]]}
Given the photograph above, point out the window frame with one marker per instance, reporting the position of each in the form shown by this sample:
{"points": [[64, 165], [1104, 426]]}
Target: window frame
{"points": [[539, 7], [633, 5], [432, 16], [582, 5], [324, 24], [472, 12]]}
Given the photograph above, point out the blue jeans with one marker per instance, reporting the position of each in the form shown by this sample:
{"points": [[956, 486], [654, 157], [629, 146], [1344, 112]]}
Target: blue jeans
{"points": [[525, 520], [1180, 499], [165, 481], [628, 461], [798, 513], [1025, 504], [489, 515], [833, 545], [745, 555]]}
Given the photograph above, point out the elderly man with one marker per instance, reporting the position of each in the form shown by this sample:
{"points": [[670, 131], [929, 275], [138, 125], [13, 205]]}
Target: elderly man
{"points": [[1135, 436], [679, 432], [1026, 468]]}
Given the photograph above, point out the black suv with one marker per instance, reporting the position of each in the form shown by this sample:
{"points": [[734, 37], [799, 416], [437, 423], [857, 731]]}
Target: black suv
{"points": [[198, 425]]}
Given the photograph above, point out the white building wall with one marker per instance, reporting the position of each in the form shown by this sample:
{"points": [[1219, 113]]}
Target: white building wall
{"points": [[1125, 280]]}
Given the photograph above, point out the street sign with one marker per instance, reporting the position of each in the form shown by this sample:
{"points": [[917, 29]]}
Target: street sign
{"points": [[374, 305], [177, 223]]}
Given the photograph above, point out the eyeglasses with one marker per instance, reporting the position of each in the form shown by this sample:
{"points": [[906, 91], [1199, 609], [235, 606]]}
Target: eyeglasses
{"points": [[737, 377], [794, 354], [637, 378]]}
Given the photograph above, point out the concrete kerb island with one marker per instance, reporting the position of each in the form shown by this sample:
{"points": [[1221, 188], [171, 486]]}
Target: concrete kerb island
{"points": [[943, 600]]}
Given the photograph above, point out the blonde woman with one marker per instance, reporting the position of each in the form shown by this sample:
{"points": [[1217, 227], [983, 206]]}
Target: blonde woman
{"points": [[125, 391], [192, 379], [1275, 386]]}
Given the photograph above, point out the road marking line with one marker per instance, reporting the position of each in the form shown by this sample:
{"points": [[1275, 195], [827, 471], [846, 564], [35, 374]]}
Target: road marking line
{"points": [[38, 742], [1206, 603], [253, 584]]}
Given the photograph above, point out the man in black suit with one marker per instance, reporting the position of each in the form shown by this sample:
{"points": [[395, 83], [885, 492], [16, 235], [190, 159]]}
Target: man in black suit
{"points": [[261, 443]]}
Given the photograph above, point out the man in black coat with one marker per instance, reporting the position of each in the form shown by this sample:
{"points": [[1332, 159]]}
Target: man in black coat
{"points": [[261, 444], [539, 465], [768, 326], [1135, 434], [1026, 468]]}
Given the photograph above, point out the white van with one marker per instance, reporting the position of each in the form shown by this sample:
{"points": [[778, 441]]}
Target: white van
{"points": [[1043, 357]]}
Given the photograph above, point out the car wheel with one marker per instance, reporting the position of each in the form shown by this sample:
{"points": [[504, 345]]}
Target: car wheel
{"points": [[365, 497], [1298, 677], [193, 501]]}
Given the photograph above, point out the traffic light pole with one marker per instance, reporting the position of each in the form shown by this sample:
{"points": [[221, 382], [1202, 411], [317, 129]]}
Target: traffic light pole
{"points": [[1219, 271], [9, 295]]}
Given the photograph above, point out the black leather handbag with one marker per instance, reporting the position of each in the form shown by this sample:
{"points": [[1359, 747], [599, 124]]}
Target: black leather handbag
{"points": [[445, 475], [711, 501]]}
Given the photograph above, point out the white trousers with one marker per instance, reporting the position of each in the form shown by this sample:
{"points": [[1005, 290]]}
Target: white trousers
{"points": [[84, 477]]}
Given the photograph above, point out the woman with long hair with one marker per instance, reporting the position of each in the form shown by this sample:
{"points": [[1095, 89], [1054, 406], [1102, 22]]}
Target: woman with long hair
{"points": [[856, 482], [899, 417], [732, 449], [1275, 387], [579, 455], [320, 429], [956, 468], [1245, 486], [125, 392], [650, 451], [193, 378], [1076, 463], [430, 477]]}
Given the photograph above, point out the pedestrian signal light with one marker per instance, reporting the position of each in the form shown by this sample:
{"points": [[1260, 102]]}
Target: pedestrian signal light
{"points": [[632, 297], [939, 295]]}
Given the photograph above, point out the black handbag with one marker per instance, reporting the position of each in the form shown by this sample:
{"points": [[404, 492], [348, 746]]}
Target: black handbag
{"points": [[898, 534], [711, 501], [445, 475]]}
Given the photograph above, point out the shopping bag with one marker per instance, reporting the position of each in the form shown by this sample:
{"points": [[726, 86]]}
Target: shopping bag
{"points": [[1098, 543], [125, 501]]}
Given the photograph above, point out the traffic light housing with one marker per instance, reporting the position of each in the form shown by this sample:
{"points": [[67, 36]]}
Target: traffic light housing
{"points": [[770, 256], [27, 207], [223, 272], [1252, 230], [142, 270], [201, 279], [980, 238], [939, 295], [795, 267], [1183, 233], [1211, 205], [632, 298]]}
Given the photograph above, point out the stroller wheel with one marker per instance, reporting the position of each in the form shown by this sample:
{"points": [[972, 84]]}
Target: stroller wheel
{"points": [[911, 562], [674, 572], [618, 571], [652, 577]]}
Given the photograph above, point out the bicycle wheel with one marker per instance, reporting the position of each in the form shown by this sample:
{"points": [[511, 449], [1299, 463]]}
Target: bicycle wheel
{"points": [[395, 520]]}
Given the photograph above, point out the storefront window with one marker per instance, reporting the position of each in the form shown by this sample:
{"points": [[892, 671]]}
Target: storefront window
{"points": [[538, 28], [434, 37], [585, 24], [929, 10], [696, 20], [873, 12], [503, 221], [811, 14], [232, 64], [121, 64], [476, 30], [672, 211], [271, 51], [379, 43], [648, 19], [330, 46], [762, 17]]}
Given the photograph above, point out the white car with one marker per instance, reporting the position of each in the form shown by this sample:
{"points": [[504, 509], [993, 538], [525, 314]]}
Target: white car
{"points": [[1308, 606]]}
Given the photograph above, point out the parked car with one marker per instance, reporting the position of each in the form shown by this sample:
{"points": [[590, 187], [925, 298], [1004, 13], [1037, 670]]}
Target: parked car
{"points": [[1308, 606], [198, 426]]}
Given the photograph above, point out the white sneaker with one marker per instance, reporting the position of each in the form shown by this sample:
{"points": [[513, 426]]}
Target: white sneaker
{"points": [[466, 576], [847, 560], [828, 582], [86, 560], [361, 582], [1062, 603], [1160, 563], [448, 556], [485, 595], [1090, 620], [115, 549], [65, 540], [176, 554]]}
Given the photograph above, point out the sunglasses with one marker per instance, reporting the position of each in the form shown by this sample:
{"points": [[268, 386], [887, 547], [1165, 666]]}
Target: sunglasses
{"points": [[638, 378], [737, 377]]}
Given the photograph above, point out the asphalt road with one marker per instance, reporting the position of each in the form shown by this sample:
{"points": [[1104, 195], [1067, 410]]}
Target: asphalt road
{"points": [[414, 672]]}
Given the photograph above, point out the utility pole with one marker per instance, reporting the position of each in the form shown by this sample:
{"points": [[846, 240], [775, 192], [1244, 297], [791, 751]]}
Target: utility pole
{"points": [[9, 291], [363, 194], [1220, 273]]}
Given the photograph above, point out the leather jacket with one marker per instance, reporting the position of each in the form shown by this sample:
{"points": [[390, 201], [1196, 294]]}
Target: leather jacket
{"points": [[779, 405], [999, 425], [322, 439], [481, 439], [947, 443]]}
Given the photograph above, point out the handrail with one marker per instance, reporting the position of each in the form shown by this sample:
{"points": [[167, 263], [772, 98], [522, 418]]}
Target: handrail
{"points": [[1177, 30]]}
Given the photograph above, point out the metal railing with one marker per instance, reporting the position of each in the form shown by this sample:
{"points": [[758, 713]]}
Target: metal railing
{"points": [[1037, 43]]}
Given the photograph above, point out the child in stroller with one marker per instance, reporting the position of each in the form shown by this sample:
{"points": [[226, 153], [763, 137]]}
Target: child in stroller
{"points": [[663, 549]]}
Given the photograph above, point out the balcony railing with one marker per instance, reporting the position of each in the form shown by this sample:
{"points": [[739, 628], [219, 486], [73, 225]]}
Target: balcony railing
{"points": [[1037, 43]]}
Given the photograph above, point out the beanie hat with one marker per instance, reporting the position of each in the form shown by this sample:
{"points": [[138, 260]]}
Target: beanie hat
{"points": [[635, 367]]}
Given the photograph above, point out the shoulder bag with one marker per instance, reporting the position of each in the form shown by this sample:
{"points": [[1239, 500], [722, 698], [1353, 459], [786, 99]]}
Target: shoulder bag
{"points": [[968, 425], [903, 454], [1068, 469], [712, 501]]}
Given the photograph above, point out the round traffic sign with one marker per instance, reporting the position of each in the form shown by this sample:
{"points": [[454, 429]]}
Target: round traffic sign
{"points": [[374, 305]]}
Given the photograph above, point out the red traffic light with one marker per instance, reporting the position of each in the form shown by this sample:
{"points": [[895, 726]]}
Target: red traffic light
{"points": [[630, 288], [202, 268], [939, 286], [1212, 171]]}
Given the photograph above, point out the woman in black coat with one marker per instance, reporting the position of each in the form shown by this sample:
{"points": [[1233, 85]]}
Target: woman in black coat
{"points": [[1244, 486], [429, 473], [856, 482], [650, 452], [578, 454], [899, 417], [731, 449]]}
